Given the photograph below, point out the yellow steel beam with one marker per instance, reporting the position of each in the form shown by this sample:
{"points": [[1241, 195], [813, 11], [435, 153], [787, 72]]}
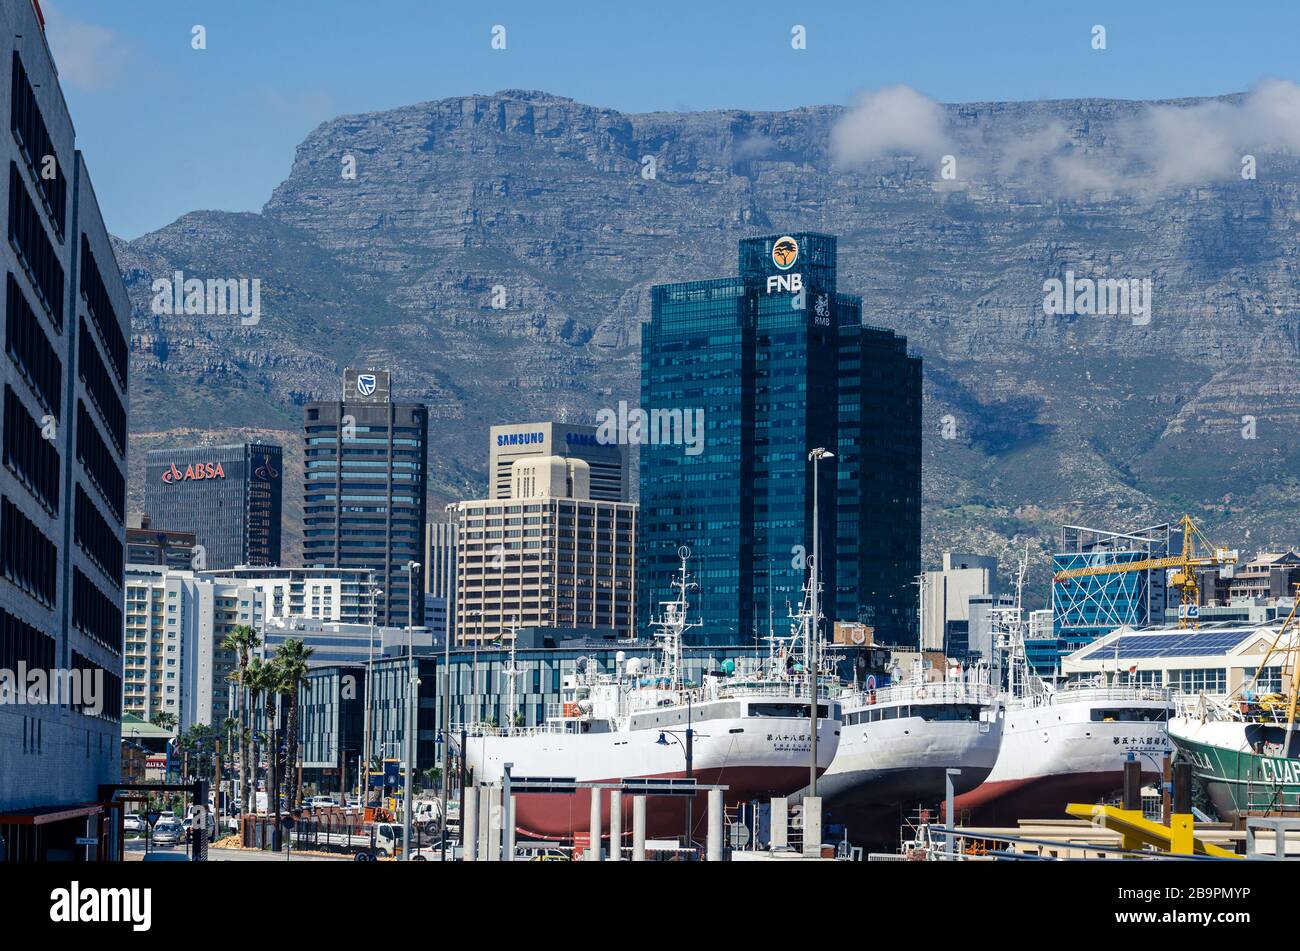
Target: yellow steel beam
{"points": [[1136, 830]]}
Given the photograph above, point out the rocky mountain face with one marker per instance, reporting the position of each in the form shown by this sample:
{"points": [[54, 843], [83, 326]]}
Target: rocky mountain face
{"points": [[496, 251]]}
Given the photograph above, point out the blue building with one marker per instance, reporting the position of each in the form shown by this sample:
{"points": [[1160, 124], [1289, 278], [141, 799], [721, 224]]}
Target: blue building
{"points": [[774, 363], [1086, 608]]}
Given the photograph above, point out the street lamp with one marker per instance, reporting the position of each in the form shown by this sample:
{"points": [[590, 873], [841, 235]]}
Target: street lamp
{"points": [[814, 634], [689, 747], [364, 781], [411, 707]]}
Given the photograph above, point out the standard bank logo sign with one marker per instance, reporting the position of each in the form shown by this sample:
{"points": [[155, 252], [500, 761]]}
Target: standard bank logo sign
{"points": [[366, 384]]}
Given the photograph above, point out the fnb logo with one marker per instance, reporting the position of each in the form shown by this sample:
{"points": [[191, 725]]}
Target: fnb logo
{"points": [[193, 472], [785, 282]]}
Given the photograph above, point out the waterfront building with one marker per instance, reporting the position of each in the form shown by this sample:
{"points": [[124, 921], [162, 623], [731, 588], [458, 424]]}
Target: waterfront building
{"points": [[741, 377], [230, 497], [175, 623], [323, 594], [63, 482], [607, 462], [546, 556], [364, 490]]}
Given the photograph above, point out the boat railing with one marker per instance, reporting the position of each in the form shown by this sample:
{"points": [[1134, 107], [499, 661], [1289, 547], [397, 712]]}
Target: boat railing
{"points": [[1270, 709], [491, 729], [937, 692], [1106, 693]]}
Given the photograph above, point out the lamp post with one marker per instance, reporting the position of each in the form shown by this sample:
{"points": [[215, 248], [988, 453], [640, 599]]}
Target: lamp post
{"points": [[411, 708], [814, 623], [689, 748], [363, 781]]}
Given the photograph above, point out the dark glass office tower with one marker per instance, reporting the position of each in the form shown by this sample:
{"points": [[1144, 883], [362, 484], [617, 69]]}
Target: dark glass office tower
{"points": [[364, 490], [230, 497], [781, 363]]}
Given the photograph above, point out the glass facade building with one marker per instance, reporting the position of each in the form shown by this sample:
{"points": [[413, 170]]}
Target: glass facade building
{"points": [[780, 362], [230, 497], [364, 494]]}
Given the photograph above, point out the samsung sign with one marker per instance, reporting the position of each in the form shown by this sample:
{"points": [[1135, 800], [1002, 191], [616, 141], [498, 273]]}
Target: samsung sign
{"points": [[520, 439]]}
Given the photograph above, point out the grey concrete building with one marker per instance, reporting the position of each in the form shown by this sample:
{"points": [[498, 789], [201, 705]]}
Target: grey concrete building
{"points": [[63, 482]]}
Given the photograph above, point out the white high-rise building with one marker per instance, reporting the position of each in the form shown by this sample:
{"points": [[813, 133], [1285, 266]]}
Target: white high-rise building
{"points": [[948, 593]]}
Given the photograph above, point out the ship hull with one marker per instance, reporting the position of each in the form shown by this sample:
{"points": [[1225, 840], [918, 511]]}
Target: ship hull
{"points": [[754, 757], [1238, 780], [1057, 753]]}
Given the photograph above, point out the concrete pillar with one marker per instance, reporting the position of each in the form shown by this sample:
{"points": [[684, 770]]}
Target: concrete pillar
{"points": [[780, 824], [615, 825], [489, 808], [638, 828], [510, 829], [469, 824], [713, 851], [812, 825], [593, 853]]}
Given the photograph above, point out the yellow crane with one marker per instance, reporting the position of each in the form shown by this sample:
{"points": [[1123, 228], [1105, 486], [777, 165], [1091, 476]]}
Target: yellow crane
{"points": [[1184, 564]]}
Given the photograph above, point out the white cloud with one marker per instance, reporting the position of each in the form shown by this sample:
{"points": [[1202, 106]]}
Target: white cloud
{"points": [[890, 121], [87, 56]]}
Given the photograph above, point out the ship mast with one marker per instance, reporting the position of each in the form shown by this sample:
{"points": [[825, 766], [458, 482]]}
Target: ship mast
{"points": [[512, 676], [672, 624]]}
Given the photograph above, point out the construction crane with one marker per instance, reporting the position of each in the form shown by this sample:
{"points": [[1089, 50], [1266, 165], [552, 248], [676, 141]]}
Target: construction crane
{"points": [[1184, 564]]}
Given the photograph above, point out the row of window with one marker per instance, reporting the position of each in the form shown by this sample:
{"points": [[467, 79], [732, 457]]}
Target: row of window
{"points": [[97, 538], [21, 643], [95, 614], [94, 454], [93, 373], [28, 126], [28, 237], [102, 311], [106, 702], [28, 454], [27, 558], [30, 349]]}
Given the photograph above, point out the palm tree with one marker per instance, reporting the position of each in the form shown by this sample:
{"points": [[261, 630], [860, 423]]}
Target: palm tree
{"points": [[260, 677], [166, 721], [291, 657], [243, 640]]}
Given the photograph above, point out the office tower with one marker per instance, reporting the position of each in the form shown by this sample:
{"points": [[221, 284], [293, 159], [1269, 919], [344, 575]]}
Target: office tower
{"points": [[607, 462], [364, 491], [63, 482], [547, 556], [230, 497], [440, 577], [772, 364], [175, 624], [150, 545], [947, 595]]}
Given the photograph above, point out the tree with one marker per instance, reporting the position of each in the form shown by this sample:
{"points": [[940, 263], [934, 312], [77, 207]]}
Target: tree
{"points": [[291, 657], [261, 678], [243, 640], [166, 721]]}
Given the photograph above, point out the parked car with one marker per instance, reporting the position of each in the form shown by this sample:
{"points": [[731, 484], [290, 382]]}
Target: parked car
{"points": [[319, 802], [133, 822], [165, 816]]}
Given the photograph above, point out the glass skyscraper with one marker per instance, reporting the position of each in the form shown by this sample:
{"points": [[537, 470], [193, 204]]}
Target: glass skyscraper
{"points": [[364, 492], [779, 362]]}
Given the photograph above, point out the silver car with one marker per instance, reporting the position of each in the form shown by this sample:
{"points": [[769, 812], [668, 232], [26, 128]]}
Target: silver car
{"points": [[166, 833]]}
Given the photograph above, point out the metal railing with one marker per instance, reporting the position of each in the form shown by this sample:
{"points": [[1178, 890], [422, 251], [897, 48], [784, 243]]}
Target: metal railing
{"points": [[939, 692]]}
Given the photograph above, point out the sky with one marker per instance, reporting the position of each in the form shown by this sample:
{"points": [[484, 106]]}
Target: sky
{"points": [[169, 129]]}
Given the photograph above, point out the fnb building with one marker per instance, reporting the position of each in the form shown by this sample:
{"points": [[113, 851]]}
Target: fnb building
{"points": [[230, 497], [781, 363], [63, 482]]}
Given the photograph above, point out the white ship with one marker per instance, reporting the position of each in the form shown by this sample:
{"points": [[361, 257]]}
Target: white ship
{"points": [[751, 733], [898, 743], [1063, 746]]}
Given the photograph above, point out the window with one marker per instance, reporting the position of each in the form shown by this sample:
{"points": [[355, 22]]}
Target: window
{"points": [[102, 312], [27, 557], [91, 369], [28, 454], [97, 538], [28, 237], [1199, 680], [28, 127], [30, 349], [94, 454]]}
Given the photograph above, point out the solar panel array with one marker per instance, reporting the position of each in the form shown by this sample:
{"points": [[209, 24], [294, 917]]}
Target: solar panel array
{"points": [[1200, 643]]}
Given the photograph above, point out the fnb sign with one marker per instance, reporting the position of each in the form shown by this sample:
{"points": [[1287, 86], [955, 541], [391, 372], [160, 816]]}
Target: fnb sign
{"points": [[193, 472], [785, 282]]}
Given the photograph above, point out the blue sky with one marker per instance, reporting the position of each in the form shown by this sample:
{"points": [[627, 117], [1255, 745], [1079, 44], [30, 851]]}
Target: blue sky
{"points": [[168, 129]]}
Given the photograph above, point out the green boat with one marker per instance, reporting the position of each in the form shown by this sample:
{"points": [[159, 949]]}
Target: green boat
{"points": [[1246, 749]]}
